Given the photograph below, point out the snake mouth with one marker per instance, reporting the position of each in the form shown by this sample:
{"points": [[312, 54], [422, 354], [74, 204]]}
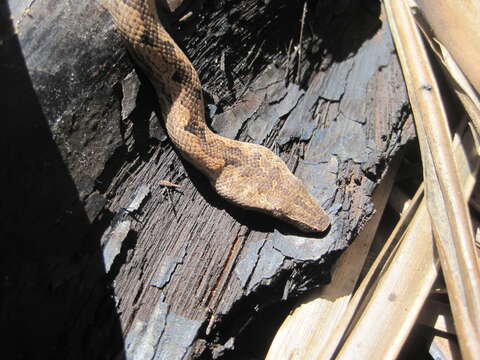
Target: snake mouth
{"points": [[317, 222], [320, 225]]}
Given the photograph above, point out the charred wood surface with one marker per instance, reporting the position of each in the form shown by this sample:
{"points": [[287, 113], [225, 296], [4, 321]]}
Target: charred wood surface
{"points": [[113, 246]]}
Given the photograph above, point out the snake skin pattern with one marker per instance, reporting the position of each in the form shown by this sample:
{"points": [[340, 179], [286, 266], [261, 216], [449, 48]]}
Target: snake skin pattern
{"points": [[247, 175]]}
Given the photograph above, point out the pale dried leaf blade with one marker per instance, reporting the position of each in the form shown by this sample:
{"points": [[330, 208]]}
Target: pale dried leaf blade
{"points": [[447, 207], [456, 25], [462, 87]]}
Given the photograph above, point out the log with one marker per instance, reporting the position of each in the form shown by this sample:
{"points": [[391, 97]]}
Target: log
{"points": [[113, 245]]}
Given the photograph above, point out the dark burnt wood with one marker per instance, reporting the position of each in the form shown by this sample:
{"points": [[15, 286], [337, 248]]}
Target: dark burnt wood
{"points": [[100, 258]]}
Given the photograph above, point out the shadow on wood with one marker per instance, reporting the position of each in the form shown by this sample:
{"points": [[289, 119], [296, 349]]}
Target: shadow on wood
{"points": [[55, 302]]}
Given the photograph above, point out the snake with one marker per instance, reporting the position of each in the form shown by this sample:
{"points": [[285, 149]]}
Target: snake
{"points": [[246, 174]]}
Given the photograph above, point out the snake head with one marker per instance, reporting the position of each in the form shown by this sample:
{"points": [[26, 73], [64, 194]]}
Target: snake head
{"points": [[299, 208], [260, 180]]}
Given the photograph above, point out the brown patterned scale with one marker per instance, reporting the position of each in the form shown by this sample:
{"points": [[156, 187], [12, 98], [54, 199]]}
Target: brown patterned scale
{"points": [[248, 175]]}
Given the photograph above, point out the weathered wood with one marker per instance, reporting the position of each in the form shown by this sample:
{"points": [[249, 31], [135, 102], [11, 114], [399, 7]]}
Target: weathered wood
{"points": [[189, 271]]}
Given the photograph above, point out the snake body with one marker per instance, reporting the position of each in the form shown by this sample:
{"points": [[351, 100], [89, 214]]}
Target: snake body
{"points": [[245, 174]]}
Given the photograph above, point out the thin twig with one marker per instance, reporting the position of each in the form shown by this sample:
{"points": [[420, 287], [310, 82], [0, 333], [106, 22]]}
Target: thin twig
{"points": [[302, 24]]}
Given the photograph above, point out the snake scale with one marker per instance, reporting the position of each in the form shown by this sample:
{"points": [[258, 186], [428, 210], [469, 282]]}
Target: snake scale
{"points": [[248, 175]]}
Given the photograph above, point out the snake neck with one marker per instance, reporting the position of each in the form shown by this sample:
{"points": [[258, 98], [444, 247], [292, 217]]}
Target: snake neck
{"points": [[129, 15], [187, 129], [175, 80]]}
